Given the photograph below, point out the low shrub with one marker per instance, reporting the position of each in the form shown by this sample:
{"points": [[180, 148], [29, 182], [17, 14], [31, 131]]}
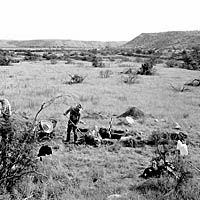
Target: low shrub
{"points": [[146, 69], [105, 73], [131, 78], [49, 56], [4, 60], [171, 63], [97, 62], [29, 56]]}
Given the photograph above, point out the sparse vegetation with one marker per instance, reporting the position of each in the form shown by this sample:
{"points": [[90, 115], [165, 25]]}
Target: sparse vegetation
{"points": [[84, 172]]}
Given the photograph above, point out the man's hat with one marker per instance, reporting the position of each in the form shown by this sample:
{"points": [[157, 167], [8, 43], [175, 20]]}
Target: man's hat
{"points": [[47, 126], [79, 106]]}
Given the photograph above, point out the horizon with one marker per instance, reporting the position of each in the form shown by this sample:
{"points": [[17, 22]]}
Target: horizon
{"points": [[49, 39], [90, 20]]}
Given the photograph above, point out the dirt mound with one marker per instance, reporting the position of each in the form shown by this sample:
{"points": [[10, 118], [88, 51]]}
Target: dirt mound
{"points": [[134, 112]]}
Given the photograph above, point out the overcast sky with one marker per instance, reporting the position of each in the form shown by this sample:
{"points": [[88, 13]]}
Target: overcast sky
{"points": [[103, 20]]}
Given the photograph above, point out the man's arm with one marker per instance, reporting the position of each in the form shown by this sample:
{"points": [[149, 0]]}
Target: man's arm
{"points": [[67, 111]]}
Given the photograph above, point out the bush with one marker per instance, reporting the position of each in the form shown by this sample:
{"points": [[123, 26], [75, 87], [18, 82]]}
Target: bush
{"points": [[191, 59], [105, 73], [16, 155], [171, 63], [97, 62], [146, 69], [29, 56], [130, 70], [4, 60], [49, 56], [75, 79], [131, 78]]}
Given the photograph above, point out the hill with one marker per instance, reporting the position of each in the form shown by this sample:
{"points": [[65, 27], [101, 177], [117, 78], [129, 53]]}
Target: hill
{"points": [[56, 43], [166, 40]]}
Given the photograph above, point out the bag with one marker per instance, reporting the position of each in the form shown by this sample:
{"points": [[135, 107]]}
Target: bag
{"points": [[182, 148]]}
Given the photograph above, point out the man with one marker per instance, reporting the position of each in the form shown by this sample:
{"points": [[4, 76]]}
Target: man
{"points": [[74, 118], [6, 132], [5, 109]]}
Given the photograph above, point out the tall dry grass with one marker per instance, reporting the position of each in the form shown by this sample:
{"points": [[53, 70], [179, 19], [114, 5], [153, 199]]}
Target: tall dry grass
{"points": [[89, 173]]}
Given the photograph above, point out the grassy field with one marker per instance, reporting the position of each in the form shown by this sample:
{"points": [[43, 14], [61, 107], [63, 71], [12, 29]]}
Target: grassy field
{"points": [[95, 173]]}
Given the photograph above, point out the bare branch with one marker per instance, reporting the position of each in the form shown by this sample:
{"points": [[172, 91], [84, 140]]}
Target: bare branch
{"points": [[43, 106], [22, 174], [179, 89]]}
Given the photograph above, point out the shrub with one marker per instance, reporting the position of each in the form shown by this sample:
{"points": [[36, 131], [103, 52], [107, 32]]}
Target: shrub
{"points": [[131, 78], [191, 59], [105, 73], [97, 62], [16, 155], [4, 60], [49, 56], [138, 51], [171, 63], [130, 70], [75, 79], [146, 69], [29, 56]]}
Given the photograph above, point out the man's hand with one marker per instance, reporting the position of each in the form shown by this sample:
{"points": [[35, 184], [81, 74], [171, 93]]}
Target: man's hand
{"points": [[82, 122]]}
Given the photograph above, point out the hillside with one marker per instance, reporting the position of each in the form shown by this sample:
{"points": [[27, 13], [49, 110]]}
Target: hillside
{"points": [[56, 43], [165, 40]]}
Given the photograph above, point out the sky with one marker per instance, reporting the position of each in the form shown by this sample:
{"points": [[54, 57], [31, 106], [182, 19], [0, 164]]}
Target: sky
{"points": [[95, 20]]}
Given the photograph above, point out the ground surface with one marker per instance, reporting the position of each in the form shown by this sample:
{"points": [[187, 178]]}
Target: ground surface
{"points": [[95, 173]]}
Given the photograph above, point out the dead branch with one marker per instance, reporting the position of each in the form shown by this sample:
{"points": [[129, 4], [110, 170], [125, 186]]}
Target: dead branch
{"points": [[71, 76], [28, 197], [43, 106], [194, 166], [179, 89], [194, 82]]}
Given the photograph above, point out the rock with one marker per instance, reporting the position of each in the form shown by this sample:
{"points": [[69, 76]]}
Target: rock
{"points": [[115, 197], [177, 126], [129, 120]]}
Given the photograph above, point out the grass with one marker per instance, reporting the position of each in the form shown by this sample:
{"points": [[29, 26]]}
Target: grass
{"points": [[95, 173]]}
